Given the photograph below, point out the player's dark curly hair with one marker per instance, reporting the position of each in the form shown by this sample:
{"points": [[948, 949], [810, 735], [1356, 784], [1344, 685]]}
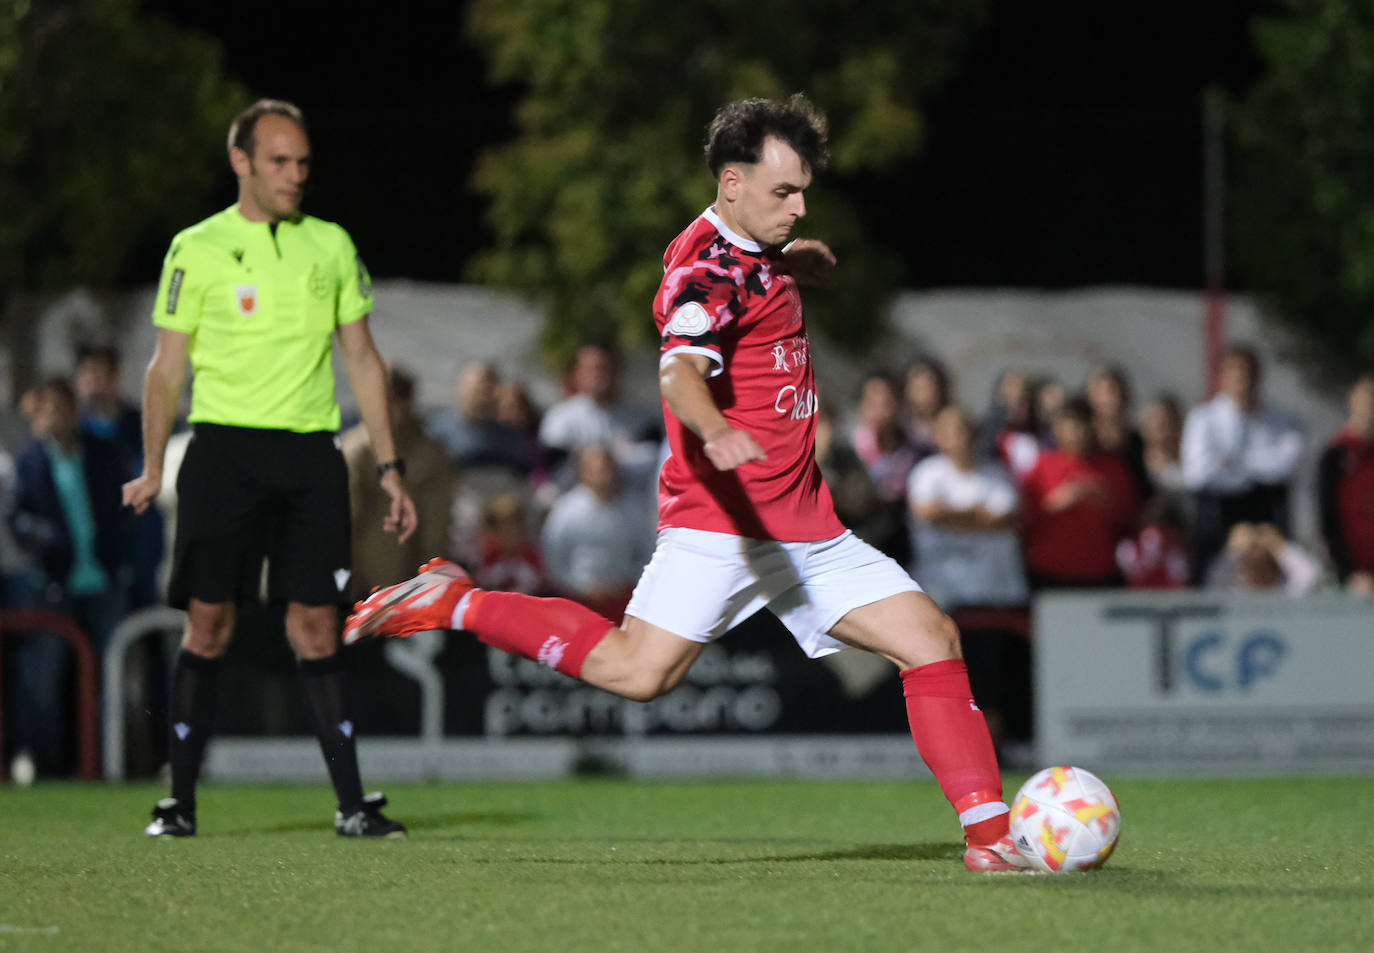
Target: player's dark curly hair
{"points": [[245, 124], [737, 132]]}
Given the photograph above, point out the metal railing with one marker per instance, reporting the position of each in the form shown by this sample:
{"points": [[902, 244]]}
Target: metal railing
{"points": [[136, 626], [87, 731]]}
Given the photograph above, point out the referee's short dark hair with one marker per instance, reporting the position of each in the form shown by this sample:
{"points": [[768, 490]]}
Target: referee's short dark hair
{"points": [[242, 129], [737, 132]]}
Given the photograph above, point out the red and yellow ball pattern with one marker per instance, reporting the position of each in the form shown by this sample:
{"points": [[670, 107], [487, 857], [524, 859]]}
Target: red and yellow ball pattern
{"points": [[1065, 819]]}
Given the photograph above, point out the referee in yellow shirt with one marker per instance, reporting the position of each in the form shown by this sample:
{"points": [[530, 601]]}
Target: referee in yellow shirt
{"points": [[253, 296]]}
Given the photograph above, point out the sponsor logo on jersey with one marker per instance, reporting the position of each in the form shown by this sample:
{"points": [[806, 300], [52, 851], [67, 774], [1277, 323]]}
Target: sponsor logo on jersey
{"points": [[174, 289], [689, 321], [798, 403], [341, 578], [246, 297]]}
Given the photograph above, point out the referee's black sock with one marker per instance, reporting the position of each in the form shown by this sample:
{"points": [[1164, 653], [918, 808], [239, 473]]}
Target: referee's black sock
{"points": [[326, 693], [191, 713]]}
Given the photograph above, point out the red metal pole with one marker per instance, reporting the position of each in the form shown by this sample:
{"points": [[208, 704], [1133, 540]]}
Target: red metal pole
{"points": [[1214, 236], [4, 765], [86, 725]]}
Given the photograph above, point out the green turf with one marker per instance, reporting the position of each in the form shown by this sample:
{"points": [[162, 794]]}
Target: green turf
{"points": [[1263, 865]]}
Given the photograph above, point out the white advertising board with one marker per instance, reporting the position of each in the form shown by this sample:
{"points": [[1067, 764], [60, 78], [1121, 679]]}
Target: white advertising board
{"points": [[1196, 683]]}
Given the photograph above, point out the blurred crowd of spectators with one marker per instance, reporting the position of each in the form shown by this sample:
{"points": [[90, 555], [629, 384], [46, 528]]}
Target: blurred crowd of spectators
{"points": [[1055, 484]]}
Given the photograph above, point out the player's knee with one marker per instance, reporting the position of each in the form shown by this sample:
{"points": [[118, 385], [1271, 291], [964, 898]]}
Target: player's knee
{"points": [[646, 685], [943, 636], [312, 638], [207, 636]]}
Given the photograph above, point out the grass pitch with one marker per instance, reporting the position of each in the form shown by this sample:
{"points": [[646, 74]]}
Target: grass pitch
{"points": [[608, 866]]}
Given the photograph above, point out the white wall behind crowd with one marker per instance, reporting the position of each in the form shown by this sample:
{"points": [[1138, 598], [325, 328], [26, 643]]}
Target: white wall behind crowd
{"points": [[1156, 335]]}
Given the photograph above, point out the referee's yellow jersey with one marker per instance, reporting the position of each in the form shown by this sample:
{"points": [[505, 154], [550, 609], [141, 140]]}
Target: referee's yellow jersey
{"points": [[261, 305]]}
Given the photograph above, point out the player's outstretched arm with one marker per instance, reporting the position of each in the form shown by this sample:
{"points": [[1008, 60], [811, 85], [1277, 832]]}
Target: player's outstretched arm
{"points": [[161, 390], [682, 382], [810, 261], [367, 375]]}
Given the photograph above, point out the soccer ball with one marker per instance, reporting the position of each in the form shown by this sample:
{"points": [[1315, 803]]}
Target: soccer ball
{"points": [[1065, 819]]}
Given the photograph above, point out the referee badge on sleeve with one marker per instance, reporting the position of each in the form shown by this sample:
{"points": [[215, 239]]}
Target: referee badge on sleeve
{"points": [[174, 288], [246, 297]]}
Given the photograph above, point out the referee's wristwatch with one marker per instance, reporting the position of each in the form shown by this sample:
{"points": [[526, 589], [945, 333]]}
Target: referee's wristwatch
{"points": [[398, 465]]}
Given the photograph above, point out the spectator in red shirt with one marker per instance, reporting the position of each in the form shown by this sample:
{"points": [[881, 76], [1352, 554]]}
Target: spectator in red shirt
{"points": [[1346, 492], [1157, 557], [1078, 502], [508, 556], [1108, 390]]}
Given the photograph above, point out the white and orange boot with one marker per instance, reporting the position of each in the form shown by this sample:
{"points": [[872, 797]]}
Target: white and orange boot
{"points": [[420, 604]]}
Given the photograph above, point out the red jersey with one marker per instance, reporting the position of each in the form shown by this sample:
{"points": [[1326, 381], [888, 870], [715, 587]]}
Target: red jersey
{"points": [[1078, 542], [1347, 501], [734, 301]]}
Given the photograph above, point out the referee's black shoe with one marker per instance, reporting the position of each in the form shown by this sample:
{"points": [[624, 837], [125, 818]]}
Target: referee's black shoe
{"points": [[369, 821], [172, 819]]}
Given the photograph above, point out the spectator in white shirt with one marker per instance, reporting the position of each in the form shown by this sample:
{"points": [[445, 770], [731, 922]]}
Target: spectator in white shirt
{"points": [[1238, 456], [964, 516], [598, 537], [595, 412]]}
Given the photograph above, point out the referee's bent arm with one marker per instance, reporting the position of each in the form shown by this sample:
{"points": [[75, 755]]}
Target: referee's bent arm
{"points": [[161, 391]]}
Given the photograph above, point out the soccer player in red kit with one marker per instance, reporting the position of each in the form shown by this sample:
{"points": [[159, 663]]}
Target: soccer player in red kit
{"points": [[745, 519]]}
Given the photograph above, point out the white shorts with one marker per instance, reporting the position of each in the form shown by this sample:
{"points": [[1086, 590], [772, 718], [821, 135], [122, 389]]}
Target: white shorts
{"points": [[699, 584]]}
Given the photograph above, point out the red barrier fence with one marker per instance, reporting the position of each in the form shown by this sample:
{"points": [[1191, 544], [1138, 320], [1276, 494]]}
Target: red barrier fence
{"points": [[28, 620], [1015, 619]]}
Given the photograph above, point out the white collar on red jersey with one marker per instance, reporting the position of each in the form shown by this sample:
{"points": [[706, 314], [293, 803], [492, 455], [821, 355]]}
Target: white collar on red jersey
{"points": [[739, 241]]}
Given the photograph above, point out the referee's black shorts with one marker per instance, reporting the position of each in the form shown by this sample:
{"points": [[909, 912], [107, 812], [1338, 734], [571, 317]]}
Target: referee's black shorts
{"points": [[244, 494]]}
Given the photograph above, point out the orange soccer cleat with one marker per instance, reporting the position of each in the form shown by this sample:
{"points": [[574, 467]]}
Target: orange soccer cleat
{"points": [[420, 604], [1000, 855]]}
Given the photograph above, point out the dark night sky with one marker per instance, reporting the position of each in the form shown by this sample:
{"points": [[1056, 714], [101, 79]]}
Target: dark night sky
{"points": [[1067, 151]]}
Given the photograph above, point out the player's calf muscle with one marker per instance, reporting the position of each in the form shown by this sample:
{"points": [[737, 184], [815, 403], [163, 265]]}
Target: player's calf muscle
{"points": [[637, 667]]}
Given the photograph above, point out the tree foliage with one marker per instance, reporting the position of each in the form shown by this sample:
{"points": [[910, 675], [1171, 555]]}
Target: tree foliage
{"points": [[111, 127], [1304, 220], [608, 166]]}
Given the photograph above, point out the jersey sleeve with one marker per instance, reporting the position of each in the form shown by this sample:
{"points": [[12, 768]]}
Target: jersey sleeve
{"points": [[181, 289], [355, 284], [700, 295]]}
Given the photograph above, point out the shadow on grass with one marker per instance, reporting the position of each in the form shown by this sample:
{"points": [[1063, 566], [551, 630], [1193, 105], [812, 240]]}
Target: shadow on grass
{"points": [[413, 822], [1160, 883], [1118, 878], [898, 852], [934, 851]]}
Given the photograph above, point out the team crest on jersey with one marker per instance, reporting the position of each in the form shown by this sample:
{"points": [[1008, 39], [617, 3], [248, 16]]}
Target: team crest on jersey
{"points": [[689, 321], [246, 297], [791, 354], [318, 283]]}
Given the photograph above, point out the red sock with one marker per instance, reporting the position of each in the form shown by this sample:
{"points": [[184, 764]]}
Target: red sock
{"points": [[952, 737], [556, 632]]}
